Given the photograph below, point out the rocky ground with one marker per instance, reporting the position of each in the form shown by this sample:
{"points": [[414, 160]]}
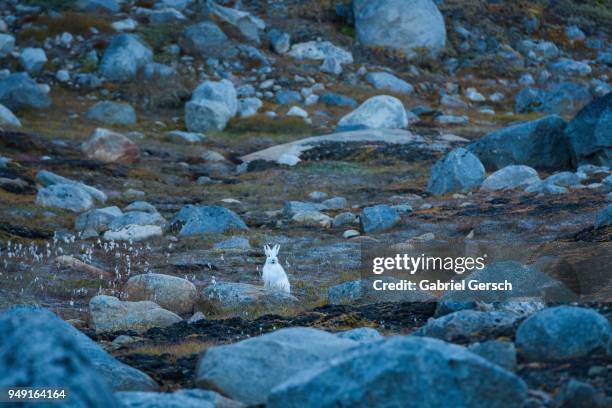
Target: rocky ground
{"points": [[150, 149]]}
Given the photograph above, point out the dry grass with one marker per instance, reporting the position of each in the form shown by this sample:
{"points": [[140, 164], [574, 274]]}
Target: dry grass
{"points": [[180, 349], [72, 22]]}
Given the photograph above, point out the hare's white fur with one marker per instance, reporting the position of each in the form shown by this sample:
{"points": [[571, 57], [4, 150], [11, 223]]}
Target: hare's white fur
{"points": [[273, 274]]}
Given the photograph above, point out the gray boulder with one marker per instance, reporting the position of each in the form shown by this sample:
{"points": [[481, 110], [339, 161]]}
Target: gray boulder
{"points": [[8, 118], [19, 91], [112, 113], [562, 98], [185, 398], [565, 179], [170, 292], [205, 38], [378, 112], [248, 24], [108, 146], [395, 372], [562, 332], [167, 16], [589, 133], [464, 324], [233, 243], [98, 5], [109, 314], [510, 177], [378, 218], [204, 115], [137, 218], [249, 106], [540, 144], [604, 217], [33, 59], [124, 57], [401, 24], [222, 91], [287, 97], [248, 370], [155, 70], [196, 220], [243, 299], [570, 67], [458, 171], [47, 178], [67, 196], [361, 335], [293, 207], [578, 394], [279, 41], [502, 353], [346, 292], [528, 284], [97, 220], [389, 82], [320, 50], [7, 43], [52, 352]]}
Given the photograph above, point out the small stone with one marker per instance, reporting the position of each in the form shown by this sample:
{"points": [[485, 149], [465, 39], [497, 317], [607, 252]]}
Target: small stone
{"points": [[348, 234], [33, 59]]}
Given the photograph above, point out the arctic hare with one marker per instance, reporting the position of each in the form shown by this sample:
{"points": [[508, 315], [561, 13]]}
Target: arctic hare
{"points": [[273, 274]]}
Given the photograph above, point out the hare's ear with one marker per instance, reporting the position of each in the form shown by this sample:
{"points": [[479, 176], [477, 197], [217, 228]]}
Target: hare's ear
{"points": [[276, 249], [267, 250]]}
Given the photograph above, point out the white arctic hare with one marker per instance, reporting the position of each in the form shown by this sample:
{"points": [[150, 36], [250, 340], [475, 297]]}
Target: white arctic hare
{"points": [[273, 274]]}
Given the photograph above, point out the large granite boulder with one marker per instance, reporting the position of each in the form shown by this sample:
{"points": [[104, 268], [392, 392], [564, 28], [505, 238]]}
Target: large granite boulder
{"points": [[407, 25], [540, 144], [124, 57], [402, 371], [109, 314], [208, 219], [590, 135], [248, 370], [561, 333], [53, 353], [19, 91], [170, 292]]}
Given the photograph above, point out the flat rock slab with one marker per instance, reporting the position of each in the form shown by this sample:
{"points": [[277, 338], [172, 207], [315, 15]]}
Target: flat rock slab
{"points": [[243, 299], [281, 153]]}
